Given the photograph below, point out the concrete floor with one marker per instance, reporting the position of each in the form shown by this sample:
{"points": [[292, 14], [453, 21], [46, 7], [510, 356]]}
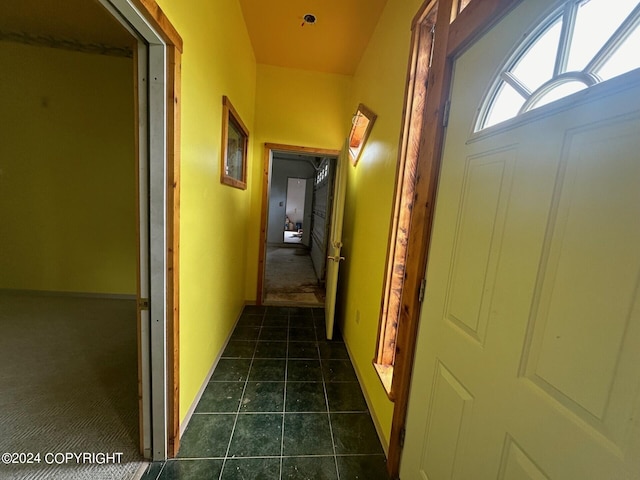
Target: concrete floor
{"points": [[290, 277]]}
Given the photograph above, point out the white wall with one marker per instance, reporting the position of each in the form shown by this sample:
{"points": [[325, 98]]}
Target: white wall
{"points": [[281, 170]]}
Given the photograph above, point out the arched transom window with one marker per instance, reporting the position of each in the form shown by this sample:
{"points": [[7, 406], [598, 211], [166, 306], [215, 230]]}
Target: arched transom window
{"points": [[582, 43]]}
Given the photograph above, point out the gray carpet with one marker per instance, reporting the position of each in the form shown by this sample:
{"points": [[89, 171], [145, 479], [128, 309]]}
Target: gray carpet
{"points": [[68, 383]]}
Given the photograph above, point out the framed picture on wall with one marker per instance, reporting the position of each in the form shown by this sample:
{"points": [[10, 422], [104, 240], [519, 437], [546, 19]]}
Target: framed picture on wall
{"points": [[235, 140], [361, 125]]}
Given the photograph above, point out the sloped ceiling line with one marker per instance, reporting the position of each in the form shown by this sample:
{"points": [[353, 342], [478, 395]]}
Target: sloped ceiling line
{"points": [[65, 44]]}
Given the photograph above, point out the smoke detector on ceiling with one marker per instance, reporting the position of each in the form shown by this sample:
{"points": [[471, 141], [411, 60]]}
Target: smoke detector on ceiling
{"points": [[308, 19]]}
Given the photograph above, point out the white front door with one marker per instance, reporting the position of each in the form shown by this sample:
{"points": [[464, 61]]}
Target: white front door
{"points": [[528, 353]]}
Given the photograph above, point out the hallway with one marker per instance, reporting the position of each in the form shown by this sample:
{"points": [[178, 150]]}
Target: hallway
{"points": [[282, 403]]}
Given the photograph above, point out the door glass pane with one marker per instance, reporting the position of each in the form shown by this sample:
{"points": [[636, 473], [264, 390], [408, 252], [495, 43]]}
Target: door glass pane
{"points": [[595, 24], [559, 92], [506, 105], [625, 59], [536, 65], [596, 21], [463, 4]]}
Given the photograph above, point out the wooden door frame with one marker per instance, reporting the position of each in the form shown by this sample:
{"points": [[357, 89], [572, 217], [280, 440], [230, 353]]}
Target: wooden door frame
{"points": [[269, 148], [158, 21], [453, 34]]}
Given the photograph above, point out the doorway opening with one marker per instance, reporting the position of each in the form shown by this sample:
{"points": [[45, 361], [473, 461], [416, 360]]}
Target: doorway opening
{"points": [[158, 64], [296, 215], [155, 55], [69, 237]]}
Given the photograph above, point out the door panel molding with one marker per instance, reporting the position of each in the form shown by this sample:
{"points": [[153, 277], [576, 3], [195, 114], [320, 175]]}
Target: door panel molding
{"points": [[464, 306], [551, 330], [449, 410], [517, 464]]}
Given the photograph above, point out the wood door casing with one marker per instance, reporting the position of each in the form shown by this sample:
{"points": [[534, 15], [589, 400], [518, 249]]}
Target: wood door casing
{"points": [[269, 148]]}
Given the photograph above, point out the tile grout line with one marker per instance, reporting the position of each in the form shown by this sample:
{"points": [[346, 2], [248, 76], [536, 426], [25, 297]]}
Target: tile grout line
{"points": [[328, 377], [304, 455], [326, 399], [244, 388], [284, 398], [164, 464]]}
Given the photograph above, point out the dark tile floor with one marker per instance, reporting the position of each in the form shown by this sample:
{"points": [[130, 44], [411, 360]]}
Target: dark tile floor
{"points": [[282, 403]]}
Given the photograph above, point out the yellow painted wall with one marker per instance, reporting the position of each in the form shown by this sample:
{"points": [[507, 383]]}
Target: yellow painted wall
{"points": [[218, 60], [379, 83], [293, 107], [220, 225], [67, 189]]}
